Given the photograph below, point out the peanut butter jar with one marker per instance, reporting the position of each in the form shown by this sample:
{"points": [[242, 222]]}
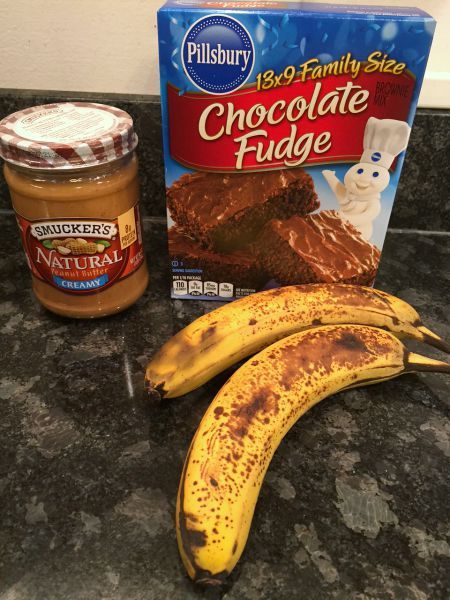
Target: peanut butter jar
{"points": [[72, 172]]}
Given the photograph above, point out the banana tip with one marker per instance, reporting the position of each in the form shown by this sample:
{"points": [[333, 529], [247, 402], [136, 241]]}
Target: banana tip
{"points": [[207, 579], [419, 363], [434, 340], [209, 582], [154, 392]]}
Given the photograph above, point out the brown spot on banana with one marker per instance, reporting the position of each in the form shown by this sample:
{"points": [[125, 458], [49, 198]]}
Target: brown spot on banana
{"points": [[196, 538], [349, 341], [207, 333]]}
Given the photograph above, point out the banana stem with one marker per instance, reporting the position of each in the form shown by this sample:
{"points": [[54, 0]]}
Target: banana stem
{"points": [[434, 340], [416, 362]]}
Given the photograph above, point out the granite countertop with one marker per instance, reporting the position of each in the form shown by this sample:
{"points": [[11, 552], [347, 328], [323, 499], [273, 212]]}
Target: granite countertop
{"points": [[355, 504]]}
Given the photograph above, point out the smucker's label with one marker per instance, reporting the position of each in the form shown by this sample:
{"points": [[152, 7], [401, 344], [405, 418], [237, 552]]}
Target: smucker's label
{"points": [[83, 256]]}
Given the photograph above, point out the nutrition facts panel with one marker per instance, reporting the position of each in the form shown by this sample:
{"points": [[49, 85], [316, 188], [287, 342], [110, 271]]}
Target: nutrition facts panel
{"points": [[226, 290], [195, 287], [210, 288], [180, 287]]}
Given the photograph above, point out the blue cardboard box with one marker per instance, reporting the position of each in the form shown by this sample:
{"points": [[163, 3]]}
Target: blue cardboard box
{"points": [[285, 127]]}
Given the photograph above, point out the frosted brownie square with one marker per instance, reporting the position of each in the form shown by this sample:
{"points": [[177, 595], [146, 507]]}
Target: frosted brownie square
{"points": [[318, 248], [225, 212]]}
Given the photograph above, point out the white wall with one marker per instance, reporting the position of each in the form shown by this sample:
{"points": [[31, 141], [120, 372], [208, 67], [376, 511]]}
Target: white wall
{"points": [[111, 46]]}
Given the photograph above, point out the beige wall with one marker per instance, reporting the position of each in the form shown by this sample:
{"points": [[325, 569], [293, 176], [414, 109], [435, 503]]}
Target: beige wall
{"points": [[111, 46]]}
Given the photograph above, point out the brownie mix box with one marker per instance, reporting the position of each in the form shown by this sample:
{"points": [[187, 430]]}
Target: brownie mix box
{"points": [[285, 127]]}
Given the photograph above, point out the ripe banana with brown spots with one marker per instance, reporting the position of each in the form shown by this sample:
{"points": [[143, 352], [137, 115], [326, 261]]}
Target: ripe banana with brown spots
{"points": [[247, 420], [234, 331]]}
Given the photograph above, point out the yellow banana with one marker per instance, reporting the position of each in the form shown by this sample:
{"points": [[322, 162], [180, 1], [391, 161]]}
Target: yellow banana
{"points": [[249, 417], [225, 336]]}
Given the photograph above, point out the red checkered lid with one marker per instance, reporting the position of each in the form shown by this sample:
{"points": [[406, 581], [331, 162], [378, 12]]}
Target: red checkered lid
{"points": [[66, 135]]}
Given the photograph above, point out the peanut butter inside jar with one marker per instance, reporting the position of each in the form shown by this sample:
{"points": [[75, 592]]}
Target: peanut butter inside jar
{"points": [[75, 194]]}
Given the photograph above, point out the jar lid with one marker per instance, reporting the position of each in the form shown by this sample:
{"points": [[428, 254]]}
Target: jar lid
{"points": [[66, 135]]}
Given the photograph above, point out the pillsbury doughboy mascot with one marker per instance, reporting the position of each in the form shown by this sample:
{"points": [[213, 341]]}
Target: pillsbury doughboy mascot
{"points": [[359, 195]]}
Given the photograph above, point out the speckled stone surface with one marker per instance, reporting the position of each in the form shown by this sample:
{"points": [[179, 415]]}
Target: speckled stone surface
{"points": [[423, 195], [355, 504]]}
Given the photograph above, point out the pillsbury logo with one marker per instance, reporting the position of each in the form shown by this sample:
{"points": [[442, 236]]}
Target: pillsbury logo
{"points": [[376, 157], [217, 54]]}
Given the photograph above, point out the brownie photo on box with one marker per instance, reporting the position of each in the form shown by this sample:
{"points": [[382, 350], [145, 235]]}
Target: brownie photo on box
{"points": [[239, 268], [225, 212], [318, 248]]}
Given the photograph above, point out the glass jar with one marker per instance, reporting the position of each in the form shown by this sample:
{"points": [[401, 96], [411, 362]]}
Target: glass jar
{"points": [[74, 188]]}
